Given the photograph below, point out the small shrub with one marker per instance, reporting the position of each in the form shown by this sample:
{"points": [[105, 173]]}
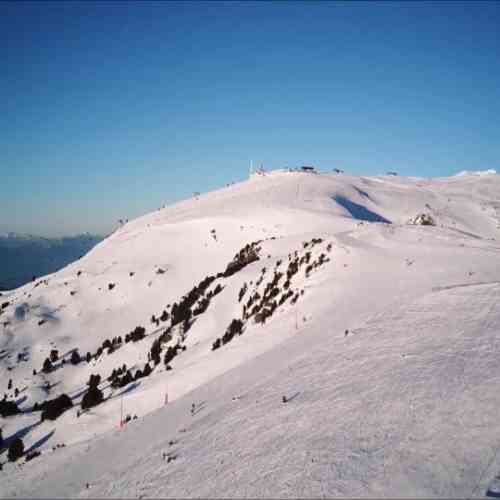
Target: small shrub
{"points": [[242, 292], [94, 380], [170, 354], [53, 408], [147, 370], [16, 450], [202, 306], [32, 454], [91, 398], [47, 366], [137, 334], [156, 352], [8, 408]]}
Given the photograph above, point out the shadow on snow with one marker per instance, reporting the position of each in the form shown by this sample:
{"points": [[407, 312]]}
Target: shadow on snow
{"points": [[359, 211]]}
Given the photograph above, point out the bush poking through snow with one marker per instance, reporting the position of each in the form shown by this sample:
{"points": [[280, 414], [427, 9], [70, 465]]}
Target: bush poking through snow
{"points": [[422, 219], [234, 328], [202, 306], [156, 352], [147, 370], [248, 254], [242, 292], [93, 396], [53, 408], [171, 354], [47, 366], [32, 454], [135, 335], [123, 381], [16, 450], [8, 408], [94, 380]]}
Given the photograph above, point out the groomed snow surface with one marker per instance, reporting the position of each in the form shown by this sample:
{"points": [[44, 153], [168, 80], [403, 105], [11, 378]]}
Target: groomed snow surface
{"points": [[381, 378]]}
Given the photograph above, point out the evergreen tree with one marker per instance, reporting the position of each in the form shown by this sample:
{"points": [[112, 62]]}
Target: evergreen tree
{"points": [[53, 408], [147, 370], [16, 450], [75, 357], [47, 366], [92, 397]]}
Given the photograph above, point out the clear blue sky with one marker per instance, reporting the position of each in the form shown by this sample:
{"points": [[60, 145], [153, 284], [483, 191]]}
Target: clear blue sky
{"points": [[109, 110]]}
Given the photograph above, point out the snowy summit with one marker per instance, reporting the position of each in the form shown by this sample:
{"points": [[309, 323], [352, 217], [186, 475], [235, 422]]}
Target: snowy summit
{"points": [[298, 334], [490, 171]]}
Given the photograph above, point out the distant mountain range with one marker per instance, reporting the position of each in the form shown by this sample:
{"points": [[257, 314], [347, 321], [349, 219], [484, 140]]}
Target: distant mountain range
{"points": [[23, 256]]}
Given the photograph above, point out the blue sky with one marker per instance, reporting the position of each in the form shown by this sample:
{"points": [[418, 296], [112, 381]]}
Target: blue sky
{"points": [[109, 110]]}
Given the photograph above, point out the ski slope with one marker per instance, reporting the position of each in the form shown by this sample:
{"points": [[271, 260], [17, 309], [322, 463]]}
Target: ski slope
{"points": [[403, 405]]}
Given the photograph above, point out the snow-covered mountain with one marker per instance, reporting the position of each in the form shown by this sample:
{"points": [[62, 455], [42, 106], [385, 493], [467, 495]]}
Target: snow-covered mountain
{"points": [[490, 171], [23, 256], [317, 335]]}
